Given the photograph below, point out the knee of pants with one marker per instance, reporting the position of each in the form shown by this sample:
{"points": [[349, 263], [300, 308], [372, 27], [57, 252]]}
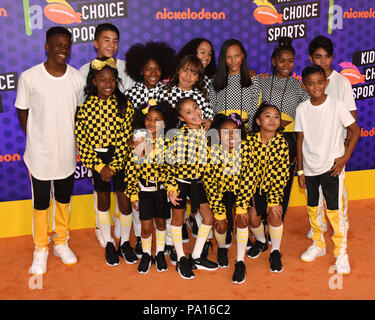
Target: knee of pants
{"points": [[42, 202]]}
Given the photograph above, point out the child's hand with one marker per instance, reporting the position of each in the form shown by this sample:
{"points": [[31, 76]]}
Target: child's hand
{"points": [[135, 205], [106, 173], [338, 166], [173, 197], [302, 181], [275, 211]]}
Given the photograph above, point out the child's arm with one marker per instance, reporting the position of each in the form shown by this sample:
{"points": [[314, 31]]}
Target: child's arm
{"points": [[340, 163], [22, 117], [301, 176], [132, 175]]}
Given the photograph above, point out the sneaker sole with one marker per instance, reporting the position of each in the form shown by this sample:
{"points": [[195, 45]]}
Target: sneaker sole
{"points": [[172, 262], [307, 261], [144, 272], [112, 265], [182, 276], [223, 266], [205, 268], [127, 261], [66, 264], [236, 282], [161, 270], [255, 257], [277, 271]]}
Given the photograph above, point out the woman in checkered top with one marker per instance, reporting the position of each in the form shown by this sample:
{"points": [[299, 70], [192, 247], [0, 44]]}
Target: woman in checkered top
{"points": [[103, 128], [186, 157], [148, 64], [148, 178], [270, 155], [188, 81]]}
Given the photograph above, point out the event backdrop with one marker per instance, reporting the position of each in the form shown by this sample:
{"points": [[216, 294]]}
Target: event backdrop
{"points": [[258, 24]]}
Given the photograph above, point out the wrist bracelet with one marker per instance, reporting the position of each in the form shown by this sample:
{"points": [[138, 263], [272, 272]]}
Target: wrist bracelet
{"points": [[300, 173]]}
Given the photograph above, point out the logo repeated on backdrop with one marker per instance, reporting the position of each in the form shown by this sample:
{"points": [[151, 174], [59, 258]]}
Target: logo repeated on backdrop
{"points": [[3, 12], [83, 12], [190, 14], [267, 14], [364, 58]]}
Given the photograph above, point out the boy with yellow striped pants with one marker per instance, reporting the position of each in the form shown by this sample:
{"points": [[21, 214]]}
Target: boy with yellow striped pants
{"points": [[321, 158]]}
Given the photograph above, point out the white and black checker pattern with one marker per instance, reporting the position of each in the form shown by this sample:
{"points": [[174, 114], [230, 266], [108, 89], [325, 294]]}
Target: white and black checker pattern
{"points": [[233, 97], [284, 93], [139, 94], [175, 94]]}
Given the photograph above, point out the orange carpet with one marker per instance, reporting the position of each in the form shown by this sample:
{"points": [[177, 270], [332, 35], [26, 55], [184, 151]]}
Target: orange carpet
{"points": [[91, 278]]}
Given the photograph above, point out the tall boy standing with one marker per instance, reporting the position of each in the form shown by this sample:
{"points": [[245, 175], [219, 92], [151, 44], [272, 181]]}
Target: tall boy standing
{"points": [[321, 160], [47, 98]]}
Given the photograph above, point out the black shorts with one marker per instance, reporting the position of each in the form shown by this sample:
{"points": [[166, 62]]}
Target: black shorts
{"points": [[118, 181], [154, 204], [260, 204], [196, 193]]}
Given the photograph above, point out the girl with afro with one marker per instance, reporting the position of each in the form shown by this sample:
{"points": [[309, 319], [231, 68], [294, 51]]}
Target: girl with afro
{"points": [[148, 64]]}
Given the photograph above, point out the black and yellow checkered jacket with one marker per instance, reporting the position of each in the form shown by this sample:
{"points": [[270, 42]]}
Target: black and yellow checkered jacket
{"points": [[226, 172], [186, 154], [151, 167], [272, 166], [98, 125]]}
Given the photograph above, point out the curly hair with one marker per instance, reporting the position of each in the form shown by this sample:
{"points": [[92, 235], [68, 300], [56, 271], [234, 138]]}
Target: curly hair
{"points": [[91, 90], [139, 54], [191, 49], [194, 64], [220, 119], [166, 110]]}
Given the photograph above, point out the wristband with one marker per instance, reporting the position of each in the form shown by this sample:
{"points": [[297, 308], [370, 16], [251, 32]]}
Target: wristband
{"points": [[300, 173]]}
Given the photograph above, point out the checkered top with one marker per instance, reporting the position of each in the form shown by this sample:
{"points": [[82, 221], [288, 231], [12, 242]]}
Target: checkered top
{"points": [[225, 172], [98, 125], [272, 165], [176, 94], [186, 154], [150, 167], [139, 94]]}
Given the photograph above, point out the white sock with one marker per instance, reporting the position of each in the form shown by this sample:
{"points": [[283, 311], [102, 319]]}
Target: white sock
{"points": [[242, 236], [125, 227], [220, 238], [276, 234], [259, 233], [176, 232], [103, 220], [203, 232], [146, 244], [160, 240]]}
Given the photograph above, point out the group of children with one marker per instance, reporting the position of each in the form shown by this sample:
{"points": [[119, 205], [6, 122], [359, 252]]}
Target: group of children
{"points": [[201, 136]]}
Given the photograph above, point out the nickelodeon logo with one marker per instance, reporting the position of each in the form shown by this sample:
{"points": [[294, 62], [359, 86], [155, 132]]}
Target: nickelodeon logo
{"points": [[10, 157], [351, 72], [190, 15], [367, 133], [3, 12], [266, 13]]}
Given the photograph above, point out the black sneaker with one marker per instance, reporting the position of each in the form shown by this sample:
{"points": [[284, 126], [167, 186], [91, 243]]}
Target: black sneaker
{"points": [[257, 249], [239, 275], [183, 268], [275, 261], [145, 264], [138, 248], [203, 264], [249, 244], [171, 253], [126, 251], [111, 257], [193, 226], [206, 249], [222, 257], [185, 235], [161, 264], [228, 239]]}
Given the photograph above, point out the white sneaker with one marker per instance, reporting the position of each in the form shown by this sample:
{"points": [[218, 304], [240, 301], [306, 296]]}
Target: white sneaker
{"points": [[342, 264], [65, 254], [99, 235], [312, 253], [116, 231], [310, 233], [39, 265]]}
